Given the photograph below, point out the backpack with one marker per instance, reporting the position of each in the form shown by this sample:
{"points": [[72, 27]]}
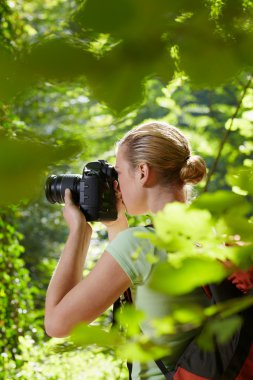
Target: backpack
{"points": [[230, 361]]}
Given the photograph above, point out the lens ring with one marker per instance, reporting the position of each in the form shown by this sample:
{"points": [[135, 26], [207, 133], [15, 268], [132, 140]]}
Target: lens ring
{"points": [[56, 185], [48, 188]]}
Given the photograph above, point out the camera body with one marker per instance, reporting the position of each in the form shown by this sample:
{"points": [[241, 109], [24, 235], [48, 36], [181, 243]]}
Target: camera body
{"points": [[93, 191]]}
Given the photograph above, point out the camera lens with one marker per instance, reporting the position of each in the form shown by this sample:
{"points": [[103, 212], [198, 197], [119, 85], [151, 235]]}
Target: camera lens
{"points": [[56, 186]]}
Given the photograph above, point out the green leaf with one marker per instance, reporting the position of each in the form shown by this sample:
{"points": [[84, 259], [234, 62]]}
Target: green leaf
{"points": [[244, 126], [223, 330], [153, 238], [12, 76], [219, 202], [191, 273], [83, 335], [193, 315], [239, 226], [241, 180], [118, 77], [177, 222], [127, 19], [244, 256], [217, 60], [22, 164], [164, 325], [57, 59], [130, 318], [141, 348], [143, 351], [230, 307]]}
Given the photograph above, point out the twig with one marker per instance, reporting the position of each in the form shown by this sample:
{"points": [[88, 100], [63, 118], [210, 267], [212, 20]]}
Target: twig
{"points": [[227, 133]]}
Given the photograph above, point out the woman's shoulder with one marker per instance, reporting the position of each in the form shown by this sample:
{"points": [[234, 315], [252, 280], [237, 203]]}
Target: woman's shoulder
{"points": [[133, 230], [134, 233], [130, 251], [133, 238]]}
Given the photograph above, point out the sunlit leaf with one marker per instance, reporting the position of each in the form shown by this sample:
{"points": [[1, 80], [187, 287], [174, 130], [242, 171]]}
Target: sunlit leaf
{"points": [[151, 258], [154, 239], [242, 255], [177, 221], [244, 126], [130, 318], [164, 325], [193, 315], [83, 335], [219, 202], [241, 180], [239, 225], [191, 273], [143, 351], [229, 307]]}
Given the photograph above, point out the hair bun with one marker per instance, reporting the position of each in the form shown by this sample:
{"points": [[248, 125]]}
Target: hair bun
{"points": [[193, 170]]}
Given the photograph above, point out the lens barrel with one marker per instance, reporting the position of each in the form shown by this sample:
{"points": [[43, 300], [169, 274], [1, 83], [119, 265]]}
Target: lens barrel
{"points": [[56, 185]]}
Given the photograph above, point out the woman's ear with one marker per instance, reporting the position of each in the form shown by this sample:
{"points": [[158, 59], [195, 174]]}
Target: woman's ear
{"points": [[144, 173]]}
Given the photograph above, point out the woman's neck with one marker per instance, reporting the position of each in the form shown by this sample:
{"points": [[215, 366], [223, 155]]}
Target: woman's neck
{"points": [[159, 196]]}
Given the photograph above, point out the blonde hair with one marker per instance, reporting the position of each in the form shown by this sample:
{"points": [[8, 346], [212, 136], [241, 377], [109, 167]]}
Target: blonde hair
{"points": [[167, 150]]}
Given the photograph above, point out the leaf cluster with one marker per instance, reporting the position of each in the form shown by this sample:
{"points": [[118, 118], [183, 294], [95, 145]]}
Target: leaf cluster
{"points": [[107, 51], [117, 47], [17, 315]]}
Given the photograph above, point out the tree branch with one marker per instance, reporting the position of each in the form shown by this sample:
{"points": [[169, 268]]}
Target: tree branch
{"points": [[226, 135]]}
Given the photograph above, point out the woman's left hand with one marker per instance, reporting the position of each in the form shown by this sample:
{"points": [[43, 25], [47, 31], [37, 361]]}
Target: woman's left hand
{"points": [[73, 216], [121, 209]]}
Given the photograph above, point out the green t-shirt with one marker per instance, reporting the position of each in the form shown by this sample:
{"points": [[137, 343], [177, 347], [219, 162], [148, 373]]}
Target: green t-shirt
{"points": [[130, 252]]}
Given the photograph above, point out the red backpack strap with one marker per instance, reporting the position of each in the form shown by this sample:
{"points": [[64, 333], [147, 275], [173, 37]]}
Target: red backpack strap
{"points": [[243, 280]]}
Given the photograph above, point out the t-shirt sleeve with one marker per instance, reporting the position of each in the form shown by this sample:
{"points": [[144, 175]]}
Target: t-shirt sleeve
{"points": [[131, 254]]}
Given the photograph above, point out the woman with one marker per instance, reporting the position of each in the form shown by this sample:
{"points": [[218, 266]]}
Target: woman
{"points": [[154, 163]]}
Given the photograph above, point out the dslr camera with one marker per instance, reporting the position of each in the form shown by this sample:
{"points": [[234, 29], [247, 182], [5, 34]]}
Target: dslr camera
{"points": [[93, 191]]}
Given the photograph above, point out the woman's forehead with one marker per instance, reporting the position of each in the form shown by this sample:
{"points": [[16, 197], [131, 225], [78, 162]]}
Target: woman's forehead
{"points": [[120, 157]]}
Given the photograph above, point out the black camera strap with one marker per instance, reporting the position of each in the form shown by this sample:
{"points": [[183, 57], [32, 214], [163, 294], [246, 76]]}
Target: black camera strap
{"points": [[127, 298]]}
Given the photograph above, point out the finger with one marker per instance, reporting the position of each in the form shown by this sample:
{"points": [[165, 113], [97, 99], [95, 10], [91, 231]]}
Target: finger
{"points": [[118, 195], [68, 197], [116, 185]]}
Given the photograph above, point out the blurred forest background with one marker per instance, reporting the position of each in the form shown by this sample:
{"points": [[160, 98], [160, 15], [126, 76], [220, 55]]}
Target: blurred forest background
{"points": [[74, 77]]}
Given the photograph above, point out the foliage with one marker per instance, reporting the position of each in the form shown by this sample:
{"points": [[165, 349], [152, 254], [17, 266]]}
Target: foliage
{"points": [[133, 345], [73, 80], [65, 365], [203, 114], [196, 239], [118, 52], [17, 313], [21, 164]]}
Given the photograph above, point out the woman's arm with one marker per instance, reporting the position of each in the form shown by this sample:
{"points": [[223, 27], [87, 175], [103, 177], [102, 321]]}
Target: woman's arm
{"points": [[71, 299], [89, 298]]}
